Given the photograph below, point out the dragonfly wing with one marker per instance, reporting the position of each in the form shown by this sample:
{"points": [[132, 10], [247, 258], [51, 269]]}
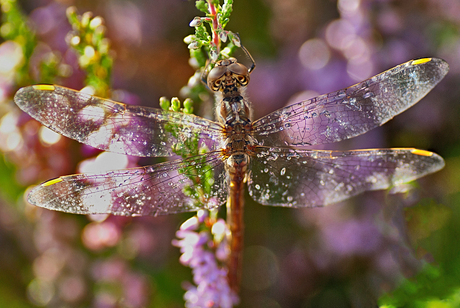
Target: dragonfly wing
{"points": [[152, 190], [307, 178], [352, 111], [112, 126]]}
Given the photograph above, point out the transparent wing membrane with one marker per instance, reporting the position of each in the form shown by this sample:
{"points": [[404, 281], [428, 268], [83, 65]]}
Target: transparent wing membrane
{"points": [[152, 190], [309, 178], [352, 111], [112, 126]]}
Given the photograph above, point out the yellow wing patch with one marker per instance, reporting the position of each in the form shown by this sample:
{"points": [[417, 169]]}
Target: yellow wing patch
{"points": [[421, 61], [44, 87], [51, 182], [421, 152]]}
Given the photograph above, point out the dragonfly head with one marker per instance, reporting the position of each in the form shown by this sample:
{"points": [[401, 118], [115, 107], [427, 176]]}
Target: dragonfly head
{"points": [[228, 73]]}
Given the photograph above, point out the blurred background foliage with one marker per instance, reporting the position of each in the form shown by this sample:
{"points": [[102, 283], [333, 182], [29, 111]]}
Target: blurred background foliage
{"points": [[376, 249]]}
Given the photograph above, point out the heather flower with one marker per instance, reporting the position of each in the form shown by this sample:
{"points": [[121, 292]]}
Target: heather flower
{"points": [[203, 244]]}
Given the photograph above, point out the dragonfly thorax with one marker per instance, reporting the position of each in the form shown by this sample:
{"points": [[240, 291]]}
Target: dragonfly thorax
{"points": [[234, 114], [233, 110]]}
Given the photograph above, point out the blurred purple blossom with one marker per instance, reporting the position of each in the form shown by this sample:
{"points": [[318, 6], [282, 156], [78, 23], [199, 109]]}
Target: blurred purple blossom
{"points": [[117, 273], [203, 251]]}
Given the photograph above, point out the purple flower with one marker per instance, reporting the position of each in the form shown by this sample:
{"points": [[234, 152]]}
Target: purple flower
{"points": [[203, 244]]}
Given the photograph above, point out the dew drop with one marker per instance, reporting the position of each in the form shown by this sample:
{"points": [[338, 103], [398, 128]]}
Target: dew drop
{"points": [[368, 94], [283, 171]]}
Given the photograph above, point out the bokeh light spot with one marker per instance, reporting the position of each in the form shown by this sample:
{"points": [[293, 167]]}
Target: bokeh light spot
{"points": [[40, 292], [48, 265], [47, 136], [100, 235], [10, 138], [314, 54], [339, 33], [348, 5], [72, 288], [13, 141], [358, 70], [8, 123], [260, 268], [12, 56], [357, 50]]}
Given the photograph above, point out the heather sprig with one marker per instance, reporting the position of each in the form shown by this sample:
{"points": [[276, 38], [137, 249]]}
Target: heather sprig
{"points": [[203, 244], [16, 29], [205, 45], [88, 39], [217, 17], [200, 173]]}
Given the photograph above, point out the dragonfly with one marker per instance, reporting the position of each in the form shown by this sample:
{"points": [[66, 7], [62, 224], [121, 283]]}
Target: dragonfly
{"points": [[269, 155]]}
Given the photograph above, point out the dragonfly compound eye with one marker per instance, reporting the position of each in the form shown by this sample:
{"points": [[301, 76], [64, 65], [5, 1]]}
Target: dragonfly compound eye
{"points": [[214, 77], [241, 72], [243, 80], [216, 85]]}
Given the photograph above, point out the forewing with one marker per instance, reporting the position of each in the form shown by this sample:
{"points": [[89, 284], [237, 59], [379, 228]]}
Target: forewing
{"points": [[352, 111], [308, 178], [112, 126], [152, 190]]}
